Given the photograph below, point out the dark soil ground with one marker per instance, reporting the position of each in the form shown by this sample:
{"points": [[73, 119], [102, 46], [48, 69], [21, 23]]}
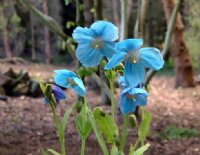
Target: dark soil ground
{"points": [[26, 124]]}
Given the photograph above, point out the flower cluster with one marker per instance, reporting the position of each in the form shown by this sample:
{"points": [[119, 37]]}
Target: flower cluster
{"points": [[97, 42]]}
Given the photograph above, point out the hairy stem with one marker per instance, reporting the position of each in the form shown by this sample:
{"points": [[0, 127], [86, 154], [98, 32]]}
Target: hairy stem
{"points": [[61, 136], [124, 133], [83, 147], [112, 98]]}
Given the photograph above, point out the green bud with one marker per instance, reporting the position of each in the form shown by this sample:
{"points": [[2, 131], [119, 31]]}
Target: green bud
{"points": [[110, 74], [132, 121], [48, 90]]}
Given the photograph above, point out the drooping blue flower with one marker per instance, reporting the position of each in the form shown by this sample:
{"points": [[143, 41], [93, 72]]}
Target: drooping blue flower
{"points": [[131, 98], [95, 42], [136, 60], [123, 84], [69, 79], [58, 93]]}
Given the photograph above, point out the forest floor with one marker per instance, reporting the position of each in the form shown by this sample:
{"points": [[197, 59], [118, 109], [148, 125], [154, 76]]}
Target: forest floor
{"points": [[26, 124]]}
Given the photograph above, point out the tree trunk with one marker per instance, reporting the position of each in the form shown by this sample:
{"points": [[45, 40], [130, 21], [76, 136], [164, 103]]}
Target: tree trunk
{"points": [[47, 35], [180, 54], [115, 4], [99, 9], [89, 16], [33, 53], [5, 37]]}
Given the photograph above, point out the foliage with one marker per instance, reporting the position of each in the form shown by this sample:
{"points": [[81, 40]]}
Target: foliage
{"points": [[168, 69], [174, 132]]}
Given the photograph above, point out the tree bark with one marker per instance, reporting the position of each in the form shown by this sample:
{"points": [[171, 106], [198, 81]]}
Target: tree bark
{"points": [[33, 53], [89, 16], [99, 9], [5, 36], [180, 54], [47, 35], [115, 12]]}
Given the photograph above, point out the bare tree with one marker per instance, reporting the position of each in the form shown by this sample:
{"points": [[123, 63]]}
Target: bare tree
{"points": [[89, 17], [47, 35], [180, 54], [4, 29]]}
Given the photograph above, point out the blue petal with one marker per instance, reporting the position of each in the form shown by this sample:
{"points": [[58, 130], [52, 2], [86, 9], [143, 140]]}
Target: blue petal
{"points": [[65, 72], [129, 45], [141, 95], [58, 92], [106, 30], [46, 101], [83, 35], [115, 60], [80, 88], [121, 81], [109, 49], [152, 58], [133, 91], [61, 77], [127, 105], [141, 99], [89, 57], [134, 74]]}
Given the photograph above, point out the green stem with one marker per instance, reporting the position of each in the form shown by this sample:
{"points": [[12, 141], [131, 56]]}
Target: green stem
{"points": [[61, 136], [97, 132], [83, 147], [112, 98], [124, 133]]}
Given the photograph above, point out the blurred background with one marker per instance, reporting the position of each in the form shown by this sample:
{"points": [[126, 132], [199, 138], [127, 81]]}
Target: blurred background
{"points": [[35, 39]]}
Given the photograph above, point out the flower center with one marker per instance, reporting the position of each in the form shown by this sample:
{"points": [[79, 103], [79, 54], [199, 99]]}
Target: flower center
{"points": [[133, 97], [71, 82], [97, 43], [134, 57]]}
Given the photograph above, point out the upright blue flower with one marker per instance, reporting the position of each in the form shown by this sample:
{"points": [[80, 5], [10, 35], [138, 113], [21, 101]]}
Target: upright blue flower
{"points": [[58, 93], [131, 97], [95, 42], [69, 79], [136, 60]]}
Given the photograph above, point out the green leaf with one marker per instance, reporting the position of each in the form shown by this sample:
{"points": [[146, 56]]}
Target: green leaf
{"points": [[42, 85], [82, 71], [144, 126], [44, 152], [107, 125], [70, 24], [65, 118], [98, 133], [82, 123], [53, 152], [140, 150], [115, 151]]}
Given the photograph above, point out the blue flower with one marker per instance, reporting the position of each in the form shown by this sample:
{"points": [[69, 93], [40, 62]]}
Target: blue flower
{"points": [[136, 60], [58, 93], [131, 98], [69, 79], [123, 84], [95, 42]]}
